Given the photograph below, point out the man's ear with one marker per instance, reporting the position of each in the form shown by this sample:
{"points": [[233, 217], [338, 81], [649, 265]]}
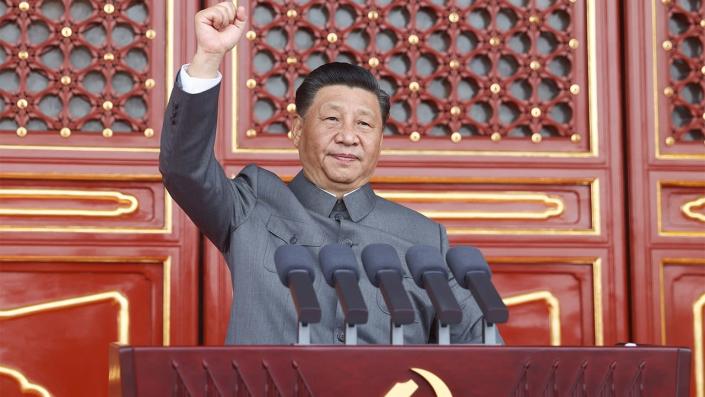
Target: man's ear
{"points": [[296, 129]]}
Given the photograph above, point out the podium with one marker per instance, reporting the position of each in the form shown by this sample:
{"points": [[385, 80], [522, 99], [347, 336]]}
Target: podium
{"points": [[399, 371]]}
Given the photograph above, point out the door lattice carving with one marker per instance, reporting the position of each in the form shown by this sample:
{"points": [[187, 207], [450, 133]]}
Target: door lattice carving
{"points": [[498, 69], [685, 82], [75, 65]]}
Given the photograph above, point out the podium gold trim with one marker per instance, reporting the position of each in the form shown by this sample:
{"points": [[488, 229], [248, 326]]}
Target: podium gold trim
{"points": [[408, 388]]}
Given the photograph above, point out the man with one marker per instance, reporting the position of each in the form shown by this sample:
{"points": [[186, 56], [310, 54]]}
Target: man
{"points": [[338, 133]]}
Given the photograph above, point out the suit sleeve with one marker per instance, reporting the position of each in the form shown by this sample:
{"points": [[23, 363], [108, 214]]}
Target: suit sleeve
{"points": [[191, 173]]}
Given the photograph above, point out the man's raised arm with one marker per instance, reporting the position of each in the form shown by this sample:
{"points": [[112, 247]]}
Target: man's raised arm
{"points": [[192, 175]]}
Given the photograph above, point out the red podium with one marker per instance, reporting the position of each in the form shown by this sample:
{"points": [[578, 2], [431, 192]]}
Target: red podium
{"points": [[399, 371]]}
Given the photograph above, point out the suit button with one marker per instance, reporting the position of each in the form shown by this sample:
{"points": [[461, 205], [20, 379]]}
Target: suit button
{"points": [[340, 335], [293, 240]]}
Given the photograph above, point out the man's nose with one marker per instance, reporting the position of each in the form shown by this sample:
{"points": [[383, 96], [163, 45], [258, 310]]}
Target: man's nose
{"points": [[346, 135]]}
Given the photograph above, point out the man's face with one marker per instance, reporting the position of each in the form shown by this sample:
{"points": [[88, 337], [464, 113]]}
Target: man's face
{"points": [[339, 138]]}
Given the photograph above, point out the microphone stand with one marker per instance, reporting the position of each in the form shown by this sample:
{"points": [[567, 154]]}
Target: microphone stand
{"points": [[489, 333], [399, 307]]}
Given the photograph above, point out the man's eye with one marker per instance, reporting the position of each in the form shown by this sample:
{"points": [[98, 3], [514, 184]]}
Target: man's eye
{"points": [[331, 118], [364, 123]]}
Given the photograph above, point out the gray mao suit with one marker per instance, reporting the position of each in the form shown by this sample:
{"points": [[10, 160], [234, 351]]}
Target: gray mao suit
{"points": [[249, 216]]}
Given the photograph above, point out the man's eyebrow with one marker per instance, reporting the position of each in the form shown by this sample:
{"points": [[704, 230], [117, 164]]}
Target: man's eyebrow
{"points": [[339, 107]]}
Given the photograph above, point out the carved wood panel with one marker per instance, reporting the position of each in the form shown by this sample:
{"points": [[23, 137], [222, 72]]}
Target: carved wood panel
{"points": [[83, 74], [60, 309], [552, 301]]}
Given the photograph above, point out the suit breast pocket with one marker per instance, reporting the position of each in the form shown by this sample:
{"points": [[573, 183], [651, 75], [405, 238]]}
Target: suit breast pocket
{"points": [[283, 231]]}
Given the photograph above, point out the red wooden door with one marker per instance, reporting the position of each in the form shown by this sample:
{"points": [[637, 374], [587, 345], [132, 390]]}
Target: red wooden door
{"points": [[92, 248], [667, 174]]}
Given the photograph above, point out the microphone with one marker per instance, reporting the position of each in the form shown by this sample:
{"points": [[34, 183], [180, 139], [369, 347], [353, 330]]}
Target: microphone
{"points": [[295, 267], [339, 268], [427, 268], [383, 269], [472, 272]]}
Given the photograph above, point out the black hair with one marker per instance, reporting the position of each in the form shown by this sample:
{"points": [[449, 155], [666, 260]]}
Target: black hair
{"points": [[338, 73]]}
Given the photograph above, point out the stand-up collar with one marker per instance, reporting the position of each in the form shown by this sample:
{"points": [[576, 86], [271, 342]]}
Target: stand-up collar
{"points": [[359, 203]]}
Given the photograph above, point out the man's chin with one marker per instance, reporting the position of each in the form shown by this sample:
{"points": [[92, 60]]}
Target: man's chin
{"points": [[345, 181]]}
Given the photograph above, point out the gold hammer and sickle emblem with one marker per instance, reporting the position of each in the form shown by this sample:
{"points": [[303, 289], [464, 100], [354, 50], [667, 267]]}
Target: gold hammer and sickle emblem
{"points": [[408, 388]]}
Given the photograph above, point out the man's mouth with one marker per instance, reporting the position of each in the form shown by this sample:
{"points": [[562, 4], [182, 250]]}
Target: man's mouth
{"points": [[345, 156]]}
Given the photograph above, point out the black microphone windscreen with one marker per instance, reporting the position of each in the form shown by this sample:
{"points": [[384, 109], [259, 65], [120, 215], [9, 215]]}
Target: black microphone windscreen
{"points": [[376, 257], [334, 257], [293, 257], [464, 259], [424, 258]]}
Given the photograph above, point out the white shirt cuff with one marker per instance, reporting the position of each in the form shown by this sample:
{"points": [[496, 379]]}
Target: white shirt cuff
{"points": [[193, 85]]}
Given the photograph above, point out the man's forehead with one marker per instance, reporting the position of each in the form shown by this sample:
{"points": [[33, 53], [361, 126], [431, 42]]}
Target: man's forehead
{"points": [[341, 97]]}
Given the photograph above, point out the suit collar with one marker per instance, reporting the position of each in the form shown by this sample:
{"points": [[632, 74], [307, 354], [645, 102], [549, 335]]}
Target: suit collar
{"points": [[359, 203]]}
